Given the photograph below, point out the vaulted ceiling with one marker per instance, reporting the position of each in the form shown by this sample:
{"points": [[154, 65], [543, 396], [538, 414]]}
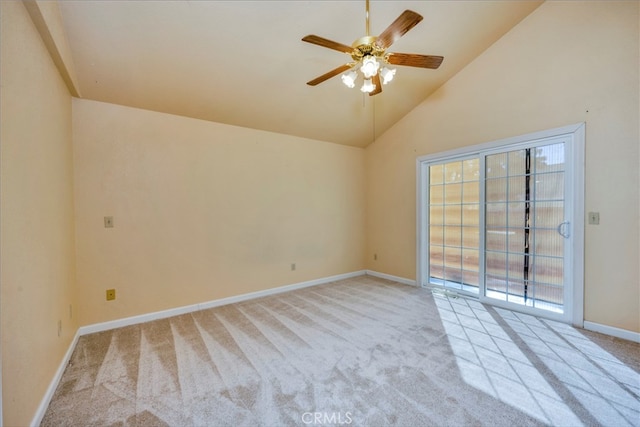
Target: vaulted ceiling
{"points": [[243, 62]]}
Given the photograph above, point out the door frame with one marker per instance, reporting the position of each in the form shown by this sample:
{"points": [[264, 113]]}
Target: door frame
{"points": [[575, 152]]}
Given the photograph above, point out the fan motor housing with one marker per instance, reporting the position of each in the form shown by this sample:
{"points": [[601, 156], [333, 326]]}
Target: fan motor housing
{"points": [[365, 46]]}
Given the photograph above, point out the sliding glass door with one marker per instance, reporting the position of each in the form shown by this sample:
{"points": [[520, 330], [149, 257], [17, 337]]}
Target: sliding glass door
{"points": [[454, 220], [525, 226], [497, 223]]}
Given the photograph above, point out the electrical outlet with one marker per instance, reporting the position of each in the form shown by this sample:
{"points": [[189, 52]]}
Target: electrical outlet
{"points": [[375, 257], [59, 327], [111, 294], [70, 311], [108, 222], [594, 218], [293, 267]]}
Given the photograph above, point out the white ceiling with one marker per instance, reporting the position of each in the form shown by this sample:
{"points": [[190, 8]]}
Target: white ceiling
{"points": [[243, 62]]}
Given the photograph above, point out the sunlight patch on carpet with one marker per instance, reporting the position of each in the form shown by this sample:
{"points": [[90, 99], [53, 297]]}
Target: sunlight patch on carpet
{"points": [[489, 361]]}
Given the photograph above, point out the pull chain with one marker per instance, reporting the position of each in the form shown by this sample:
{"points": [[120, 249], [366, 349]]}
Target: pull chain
{"points": [[373, 124]]}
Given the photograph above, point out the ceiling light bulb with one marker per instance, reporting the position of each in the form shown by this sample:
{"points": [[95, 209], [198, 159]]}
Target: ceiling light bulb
{"points": [[368, 86], [369, 66], [349, 78], [387, 74]]}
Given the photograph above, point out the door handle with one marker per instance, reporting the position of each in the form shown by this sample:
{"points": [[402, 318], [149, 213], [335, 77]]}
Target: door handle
{"points": [[563, 229]]}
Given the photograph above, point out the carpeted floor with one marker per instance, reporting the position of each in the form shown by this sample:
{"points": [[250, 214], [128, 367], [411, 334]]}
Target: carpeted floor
{"points": [[363, 352]]}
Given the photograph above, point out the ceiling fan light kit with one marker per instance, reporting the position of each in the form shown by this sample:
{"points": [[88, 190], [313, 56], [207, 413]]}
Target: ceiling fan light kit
{"points": [[387, 74], [368, 86], [369, 54], [349, 78], [369, 66]]}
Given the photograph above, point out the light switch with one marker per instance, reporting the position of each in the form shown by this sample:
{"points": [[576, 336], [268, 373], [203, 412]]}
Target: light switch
{"points": [[594, 218]]}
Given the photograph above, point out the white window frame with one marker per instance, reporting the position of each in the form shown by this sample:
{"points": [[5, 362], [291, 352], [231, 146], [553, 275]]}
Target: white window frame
{"points": [[574, 310]]}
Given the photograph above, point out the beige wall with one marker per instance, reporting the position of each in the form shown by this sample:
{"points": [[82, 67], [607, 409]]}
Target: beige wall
{"points": [[567, 62], [36, 219], [205, 211]]}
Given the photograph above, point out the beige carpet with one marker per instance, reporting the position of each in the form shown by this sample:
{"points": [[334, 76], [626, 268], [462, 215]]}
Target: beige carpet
{"points": [[362, 352]]}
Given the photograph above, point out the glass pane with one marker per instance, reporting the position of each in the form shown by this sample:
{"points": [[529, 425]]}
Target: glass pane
{"points": [[521, 241], [453, 275], [496, 284], [549, 293], [496, 190], [548, 214], [496, 214], [471, 278], [516, 267], [496, 263], [549, 186], [471, 237], [517, 164], [549, 158], [548, 270], [436, 271], [436, 194], [470, 259], [496, 165], [453, 258], [549, 243], [470, 192], [436, 235], [470, 215], [453, 235], [452, 214], [515, 237], [451, 184], [496, 239], [453, 172], [436, 215], [517, 189], [436, 255], [471, 170], [436, 174], [516, 214], [453, 193], [516, 291]]}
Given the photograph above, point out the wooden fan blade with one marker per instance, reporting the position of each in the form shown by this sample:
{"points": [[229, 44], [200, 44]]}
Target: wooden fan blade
{"points": [[330, 74], [320, 41], [376, 81], [415, 60], [398, 28]]}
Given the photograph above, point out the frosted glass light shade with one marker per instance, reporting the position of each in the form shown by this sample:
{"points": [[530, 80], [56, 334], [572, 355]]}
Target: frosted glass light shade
{"points": [[387, 74], [349, 78], [369, 66], [367, 86]]}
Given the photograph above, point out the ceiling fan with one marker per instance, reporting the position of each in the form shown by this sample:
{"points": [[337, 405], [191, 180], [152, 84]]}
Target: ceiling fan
{"points": [[370, 53]]}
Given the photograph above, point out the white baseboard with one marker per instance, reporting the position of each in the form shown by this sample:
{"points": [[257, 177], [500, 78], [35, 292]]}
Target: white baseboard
{"points": [[133, 320], [391, 277], [278, 290], [99, 327], [44, 403], [614, 332]]}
